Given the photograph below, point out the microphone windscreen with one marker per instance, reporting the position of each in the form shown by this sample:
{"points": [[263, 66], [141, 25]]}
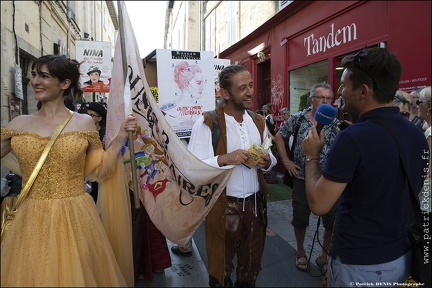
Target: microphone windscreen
{"points": [[325, 114]]}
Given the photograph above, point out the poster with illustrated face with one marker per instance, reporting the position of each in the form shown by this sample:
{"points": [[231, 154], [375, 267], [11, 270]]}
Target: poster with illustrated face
{"points": [[95, 69], [186, 87]]}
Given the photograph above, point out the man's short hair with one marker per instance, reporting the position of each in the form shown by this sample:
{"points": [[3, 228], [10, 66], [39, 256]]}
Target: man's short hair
{"points": [[376, 67], [284, 110], [324, 85], [226, 74]]}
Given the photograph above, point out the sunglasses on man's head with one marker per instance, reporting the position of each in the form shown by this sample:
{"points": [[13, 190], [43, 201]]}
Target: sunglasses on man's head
{"points": [[362, 54]]}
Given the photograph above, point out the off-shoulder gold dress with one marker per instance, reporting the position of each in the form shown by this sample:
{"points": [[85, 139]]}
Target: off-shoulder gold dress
{"points": [[57, 237]]}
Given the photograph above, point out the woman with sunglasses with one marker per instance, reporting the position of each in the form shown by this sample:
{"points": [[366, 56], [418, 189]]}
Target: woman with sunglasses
{"points": [[424, 108]]}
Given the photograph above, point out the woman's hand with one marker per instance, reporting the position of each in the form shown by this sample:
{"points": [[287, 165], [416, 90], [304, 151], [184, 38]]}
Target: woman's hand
{"points": [[129, 124]]}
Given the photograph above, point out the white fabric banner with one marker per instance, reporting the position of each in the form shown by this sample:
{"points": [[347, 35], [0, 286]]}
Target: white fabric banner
{"points": [[177, 189]]}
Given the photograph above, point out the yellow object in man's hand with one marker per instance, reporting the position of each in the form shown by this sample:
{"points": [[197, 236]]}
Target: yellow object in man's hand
{"points": [[255, 152]]}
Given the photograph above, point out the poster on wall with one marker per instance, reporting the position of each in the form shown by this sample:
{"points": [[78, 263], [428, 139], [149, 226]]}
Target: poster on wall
{"points": [[18, 82], [14, 107], [219, 65], [185, 86], [95, 59]]}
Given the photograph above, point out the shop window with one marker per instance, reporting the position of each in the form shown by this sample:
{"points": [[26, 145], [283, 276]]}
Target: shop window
{"points": [[301, 81]]}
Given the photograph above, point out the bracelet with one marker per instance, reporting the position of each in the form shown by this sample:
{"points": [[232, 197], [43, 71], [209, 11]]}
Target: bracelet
{"points": [[310, 159]]}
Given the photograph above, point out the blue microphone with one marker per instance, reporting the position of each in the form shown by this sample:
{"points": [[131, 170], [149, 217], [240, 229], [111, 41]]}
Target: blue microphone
{"points": [[324, 115]]}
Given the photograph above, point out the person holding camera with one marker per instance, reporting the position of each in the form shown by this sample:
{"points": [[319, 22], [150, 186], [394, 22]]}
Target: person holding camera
{"points": [[370, 239], [299, 124]]}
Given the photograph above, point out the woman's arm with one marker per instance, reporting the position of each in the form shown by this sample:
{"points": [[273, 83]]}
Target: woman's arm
{"points": [[6, 144], [100, 163], [5, 147], [129, 124]]}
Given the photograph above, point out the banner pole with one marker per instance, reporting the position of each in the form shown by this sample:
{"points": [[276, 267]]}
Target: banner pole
{"points": [[130, 135]]}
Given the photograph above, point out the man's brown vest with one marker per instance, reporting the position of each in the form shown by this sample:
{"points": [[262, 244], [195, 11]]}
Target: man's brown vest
{"points": [[215, 220]]}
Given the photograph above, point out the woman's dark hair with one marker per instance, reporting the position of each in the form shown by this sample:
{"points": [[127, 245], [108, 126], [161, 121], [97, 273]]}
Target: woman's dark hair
{"points": [[62, 68], [376, 67], [226, 74]]}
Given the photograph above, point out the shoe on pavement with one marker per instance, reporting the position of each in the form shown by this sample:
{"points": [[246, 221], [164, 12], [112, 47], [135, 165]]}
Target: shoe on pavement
{"points": [[176, 250]]}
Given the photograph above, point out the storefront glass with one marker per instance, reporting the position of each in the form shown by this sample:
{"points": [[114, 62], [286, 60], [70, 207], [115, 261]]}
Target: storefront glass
{"points": [[301, 81]]}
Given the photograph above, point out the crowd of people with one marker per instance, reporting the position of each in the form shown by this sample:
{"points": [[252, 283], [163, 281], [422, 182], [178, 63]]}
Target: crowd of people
{"points": [[59, 237]]}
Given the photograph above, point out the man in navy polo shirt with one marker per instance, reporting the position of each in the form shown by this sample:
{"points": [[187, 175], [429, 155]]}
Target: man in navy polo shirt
{"points": [[364, 173]]}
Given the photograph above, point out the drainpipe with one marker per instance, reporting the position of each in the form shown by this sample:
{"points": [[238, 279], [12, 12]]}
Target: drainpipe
{"points": [[185, 26], [69, 26], [200, 25], [101, 23], [94, 21], [40, 27]]}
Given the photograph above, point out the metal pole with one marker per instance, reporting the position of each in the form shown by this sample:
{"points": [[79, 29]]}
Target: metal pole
{"points": [[131, 141]]}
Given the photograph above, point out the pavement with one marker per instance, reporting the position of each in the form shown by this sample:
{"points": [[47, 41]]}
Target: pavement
{"points": [[278, 262]]}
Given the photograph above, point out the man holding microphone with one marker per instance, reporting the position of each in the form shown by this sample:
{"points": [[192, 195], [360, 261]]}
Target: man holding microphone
{"points": [[365, 177]]}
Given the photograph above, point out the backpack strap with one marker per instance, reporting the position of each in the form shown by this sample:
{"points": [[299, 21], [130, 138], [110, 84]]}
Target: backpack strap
{"points": [[216, 132], [259, 122], [211, 119]]}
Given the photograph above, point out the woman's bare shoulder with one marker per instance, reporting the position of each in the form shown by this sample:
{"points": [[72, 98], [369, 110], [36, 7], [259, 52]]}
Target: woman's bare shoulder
{"points": [[82, 122], [20, 122]]}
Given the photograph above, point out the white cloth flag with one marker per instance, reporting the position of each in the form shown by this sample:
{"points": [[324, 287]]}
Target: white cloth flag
{"points": [[176, 188]]}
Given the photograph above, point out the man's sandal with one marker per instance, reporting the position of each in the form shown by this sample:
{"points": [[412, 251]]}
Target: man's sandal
{"points": [[302, 265], [322, 264]]}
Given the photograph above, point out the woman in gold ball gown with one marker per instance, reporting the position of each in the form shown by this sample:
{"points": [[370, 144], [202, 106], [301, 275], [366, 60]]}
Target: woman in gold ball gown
{"points": [[58, 237]]}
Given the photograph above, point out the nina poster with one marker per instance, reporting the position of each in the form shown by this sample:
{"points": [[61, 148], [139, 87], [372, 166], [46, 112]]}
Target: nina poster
{"points": [[95, 68]]}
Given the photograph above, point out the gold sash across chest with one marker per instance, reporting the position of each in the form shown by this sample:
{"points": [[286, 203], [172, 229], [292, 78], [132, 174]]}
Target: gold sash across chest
{"points": [[10, 204]]}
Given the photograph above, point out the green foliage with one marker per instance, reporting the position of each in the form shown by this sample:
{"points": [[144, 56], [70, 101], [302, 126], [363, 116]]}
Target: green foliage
{"points": [[155, 92], [304, 101]]}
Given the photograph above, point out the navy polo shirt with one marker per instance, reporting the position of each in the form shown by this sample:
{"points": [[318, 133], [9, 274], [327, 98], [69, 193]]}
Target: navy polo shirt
{"points": [[374, 210]]}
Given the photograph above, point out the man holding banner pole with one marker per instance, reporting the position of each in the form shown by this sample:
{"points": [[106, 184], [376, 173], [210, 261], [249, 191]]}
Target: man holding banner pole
{"points": [[237, 222]]}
